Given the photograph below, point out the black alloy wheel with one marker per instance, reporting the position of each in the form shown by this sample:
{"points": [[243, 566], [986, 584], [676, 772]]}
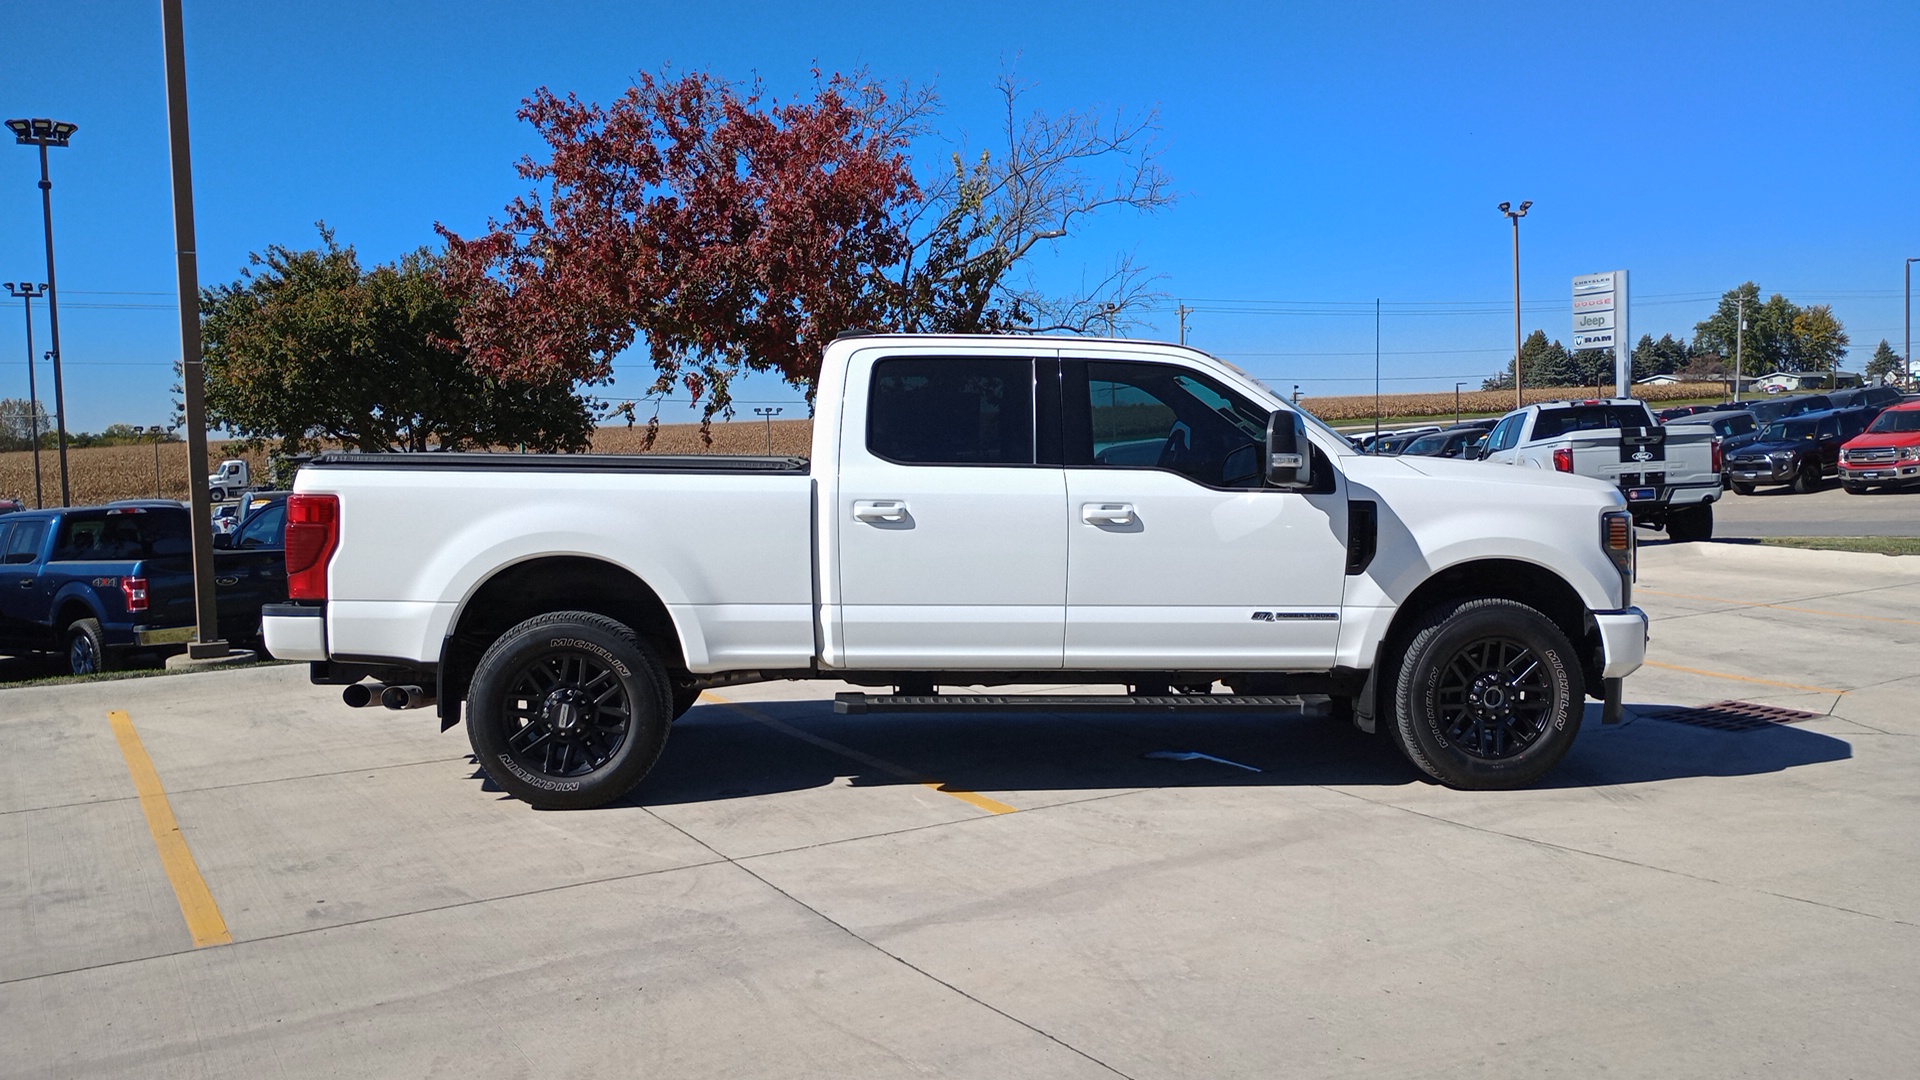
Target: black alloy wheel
{"points": [[1493, 698], [568, 713], [568, 710], [1489, 694]]}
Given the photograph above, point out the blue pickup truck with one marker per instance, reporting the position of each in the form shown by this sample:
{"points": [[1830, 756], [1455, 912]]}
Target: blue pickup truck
{"points": [[95, 583]]}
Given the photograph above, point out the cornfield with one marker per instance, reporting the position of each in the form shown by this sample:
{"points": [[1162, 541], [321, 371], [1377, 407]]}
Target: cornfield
{"points": [[101, 474]]}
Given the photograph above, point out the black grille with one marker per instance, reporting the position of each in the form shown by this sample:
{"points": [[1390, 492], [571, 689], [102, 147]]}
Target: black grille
{"points": [[1731, 716]]}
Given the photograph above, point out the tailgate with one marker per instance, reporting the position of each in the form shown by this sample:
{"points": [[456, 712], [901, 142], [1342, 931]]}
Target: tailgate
{"points": [[1637, 459]]}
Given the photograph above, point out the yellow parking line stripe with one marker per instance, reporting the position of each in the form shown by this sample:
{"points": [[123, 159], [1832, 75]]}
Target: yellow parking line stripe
{"points": [[1745, 678], [1783, 607], [970, 798], [189, 888]]}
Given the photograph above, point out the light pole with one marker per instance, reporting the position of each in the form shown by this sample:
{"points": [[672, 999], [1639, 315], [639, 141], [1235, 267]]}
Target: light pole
{"points": [[1909, 269], [1515, 216], [1456, 403], [769, 414], [26, 291], [44, 133], [156, 431]]}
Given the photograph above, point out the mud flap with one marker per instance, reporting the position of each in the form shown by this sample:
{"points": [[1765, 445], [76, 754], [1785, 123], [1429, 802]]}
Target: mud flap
{"points": [[1610, 707]]}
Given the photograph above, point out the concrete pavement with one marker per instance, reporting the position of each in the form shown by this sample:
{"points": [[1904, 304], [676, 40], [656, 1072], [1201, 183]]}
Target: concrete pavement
{"points": [[793, 893]]}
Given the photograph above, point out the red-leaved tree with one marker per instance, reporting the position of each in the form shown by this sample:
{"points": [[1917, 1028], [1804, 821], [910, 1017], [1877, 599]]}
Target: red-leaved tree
{"points": [[687, 218], [722, 233]]}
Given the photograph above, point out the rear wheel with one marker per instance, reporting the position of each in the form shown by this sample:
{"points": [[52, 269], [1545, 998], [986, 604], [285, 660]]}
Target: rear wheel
{"points": [[1489, 695], [87, 648], [568, 710], [1691, 524], [1742, 489]]}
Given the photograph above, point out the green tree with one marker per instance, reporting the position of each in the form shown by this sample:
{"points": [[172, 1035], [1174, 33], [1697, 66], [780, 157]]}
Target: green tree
{"points": [[308, 347], [1664, 357], [18, 418], [1885, 363], [1820, 342], [1545, 363]]}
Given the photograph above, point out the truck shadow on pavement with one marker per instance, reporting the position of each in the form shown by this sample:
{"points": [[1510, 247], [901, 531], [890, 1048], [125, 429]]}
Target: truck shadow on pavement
{"points": [[718, 752]]}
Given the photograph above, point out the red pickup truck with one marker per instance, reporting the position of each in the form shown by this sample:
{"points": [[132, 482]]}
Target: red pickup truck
{"points": [[1886, 454]]}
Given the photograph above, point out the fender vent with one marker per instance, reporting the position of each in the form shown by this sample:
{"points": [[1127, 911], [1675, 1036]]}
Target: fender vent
{"points": [[1732, 716], [1363, 534]]}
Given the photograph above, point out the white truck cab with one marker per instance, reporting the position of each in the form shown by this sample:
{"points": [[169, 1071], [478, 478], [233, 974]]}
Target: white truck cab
{"points": [[975, 511]]}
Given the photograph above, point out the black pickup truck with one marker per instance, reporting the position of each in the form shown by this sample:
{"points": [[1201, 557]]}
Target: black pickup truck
{"points": [[95, 583]]}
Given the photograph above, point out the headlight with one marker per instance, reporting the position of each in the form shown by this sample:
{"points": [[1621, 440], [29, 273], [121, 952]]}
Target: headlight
{"points": [[1781, 455], [1910, 453]]}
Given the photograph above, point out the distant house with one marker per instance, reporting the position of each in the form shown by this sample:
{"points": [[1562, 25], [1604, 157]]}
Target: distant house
{"points": [[1778, 382], [1657, 380]]}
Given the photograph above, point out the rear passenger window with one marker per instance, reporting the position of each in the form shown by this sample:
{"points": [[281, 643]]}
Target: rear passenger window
{"points": [[960, 411]]}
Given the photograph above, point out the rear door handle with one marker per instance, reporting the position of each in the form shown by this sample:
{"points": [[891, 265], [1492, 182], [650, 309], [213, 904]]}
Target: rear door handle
{"points": [[1107, 513], [890, 510]]}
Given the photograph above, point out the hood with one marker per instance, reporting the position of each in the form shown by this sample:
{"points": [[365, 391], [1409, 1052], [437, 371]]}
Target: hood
{"points": [[1884, 438], [1477, 472], [1758, 449]]}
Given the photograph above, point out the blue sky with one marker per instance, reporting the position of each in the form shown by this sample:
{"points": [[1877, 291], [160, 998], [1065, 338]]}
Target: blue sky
{"points": [[1327, 155]]}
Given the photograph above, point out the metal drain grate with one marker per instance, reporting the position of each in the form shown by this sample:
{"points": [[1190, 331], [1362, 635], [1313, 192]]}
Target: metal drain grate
{"points": [[1732, 716]]}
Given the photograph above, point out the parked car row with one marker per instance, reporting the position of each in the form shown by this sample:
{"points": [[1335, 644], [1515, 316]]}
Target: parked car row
{"points": [[96, 584]]}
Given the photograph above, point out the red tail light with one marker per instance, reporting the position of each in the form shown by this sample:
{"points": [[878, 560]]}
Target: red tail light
{"points": [[1718, 455], [313, 531], [135, 590], [1563, 459]]}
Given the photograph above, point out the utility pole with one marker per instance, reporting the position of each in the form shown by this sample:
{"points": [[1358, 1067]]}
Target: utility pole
{"points": [[769, 414], [207, 643], [1739, 348], [26, 291], [1184, 311], [1376, 370], [1515, 216], [1456, 403], [1909, 268]]}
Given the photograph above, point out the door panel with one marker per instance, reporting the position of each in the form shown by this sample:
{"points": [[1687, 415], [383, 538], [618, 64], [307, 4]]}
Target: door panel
{"points": [[952, 543], [1206, 567]]}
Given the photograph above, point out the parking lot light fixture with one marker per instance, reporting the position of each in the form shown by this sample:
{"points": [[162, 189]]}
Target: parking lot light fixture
{"points": [[26, 291], [1515, 216], [43, 133]]}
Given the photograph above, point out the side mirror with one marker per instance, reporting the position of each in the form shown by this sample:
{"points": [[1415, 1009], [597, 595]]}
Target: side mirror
{"points": [[1289, 454], [221, 541]]}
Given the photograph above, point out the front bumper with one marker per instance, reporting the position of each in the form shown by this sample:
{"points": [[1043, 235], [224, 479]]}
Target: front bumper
{"points": [[1762, 472], [294, 632], [1623, 641], [1891, 473]]}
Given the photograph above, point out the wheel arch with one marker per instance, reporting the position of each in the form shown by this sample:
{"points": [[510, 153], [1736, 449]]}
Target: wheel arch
{"points": [[1508, 579], [519, 591]]}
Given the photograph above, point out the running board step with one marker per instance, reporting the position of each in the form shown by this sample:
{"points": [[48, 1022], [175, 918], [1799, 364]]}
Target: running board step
{"points": [[845, 704]]}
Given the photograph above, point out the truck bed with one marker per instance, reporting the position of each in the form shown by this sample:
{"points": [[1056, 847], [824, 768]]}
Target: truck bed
{"points": [[635, 463]]}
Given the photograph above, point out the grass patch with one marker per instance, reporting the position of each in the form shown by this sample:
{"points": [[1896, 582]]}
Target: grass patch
{"points": [[8, 678], [1876, 545]]}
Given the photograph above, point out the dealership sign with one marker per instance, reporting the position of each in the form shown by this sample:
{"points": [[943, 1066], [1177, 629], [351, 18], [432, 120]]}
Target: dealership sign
{"points": [[1600, 318]]}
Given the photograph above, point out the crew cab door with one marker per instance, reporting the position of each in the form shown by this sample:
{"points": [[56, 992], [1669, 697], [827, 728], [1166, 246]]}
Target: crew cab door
{"points": [[1178, 554], [23, 593], [950, 517]]}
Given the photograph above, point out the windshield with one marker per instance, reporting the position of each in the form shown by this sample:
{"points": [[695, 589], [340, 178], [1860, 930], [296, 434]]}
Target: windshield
{"points": [[1426, 445], [1788, 431], [1902, 420]]}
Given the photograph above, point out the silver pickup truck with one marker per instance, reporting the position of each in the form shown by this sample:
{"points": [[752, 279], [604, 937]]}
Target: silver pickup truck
{"points": [[1670, 477]]}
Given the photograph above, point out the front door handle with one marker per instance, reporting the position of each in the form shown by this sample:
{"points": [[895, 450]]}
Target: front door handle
{"points": [[888, 510], [26, 583], [1107, 513]]}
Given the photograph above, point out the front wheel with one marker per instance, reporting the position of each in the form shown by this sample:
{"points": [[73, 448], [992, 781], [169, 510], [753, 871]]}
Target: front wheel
{"points": [[1489, 696], [1807, 480], [568, 710]]}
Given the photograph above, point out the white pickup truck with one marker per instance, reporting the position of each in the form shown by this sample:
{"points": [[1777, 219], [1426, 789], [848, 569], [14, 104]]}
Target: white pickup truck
{"points": [[1670, 477], [976, 511]]}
